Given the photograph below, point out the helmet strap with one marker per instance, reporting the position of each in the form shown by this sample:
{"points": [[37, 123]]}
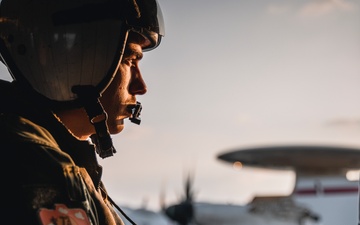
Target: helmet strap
{"points": [[89, 97]]}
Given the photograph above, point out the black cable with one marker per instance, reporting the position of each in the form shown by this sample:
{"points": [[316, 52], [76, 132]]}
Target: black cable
{"points": [[121, 211]]}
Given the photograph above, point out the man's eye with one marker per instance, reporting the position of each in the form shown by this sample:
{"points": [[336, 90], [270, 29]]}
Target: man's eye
{"points": [[129, 62]]}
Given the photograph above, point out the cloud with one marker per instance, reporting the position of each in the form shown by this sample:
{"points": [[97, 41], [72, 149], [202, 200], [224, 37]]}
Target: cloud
{"points": [[313, 9], [344, 123], [324, 7]]}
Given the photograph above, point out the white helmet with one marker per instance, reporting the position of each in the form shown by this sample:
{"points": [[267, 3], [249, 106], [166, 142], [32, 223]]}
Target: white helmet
{"points": [[67, 51], [52, 46]]}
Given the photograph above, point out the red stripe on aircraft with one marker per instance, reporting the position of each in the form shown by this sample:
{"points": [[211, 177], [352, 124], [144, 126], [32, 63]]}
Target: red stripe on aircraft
{"points": [[336, 190]]}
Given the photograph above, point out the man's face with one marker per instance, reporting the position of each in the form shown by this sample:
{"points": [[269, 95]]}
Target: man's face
{"points": [[122, 91]]}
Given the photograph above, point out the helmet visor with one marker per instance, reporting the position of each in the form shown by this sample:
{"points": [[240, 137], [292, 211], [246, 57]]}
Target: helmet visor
{"points": [[148, 22]]}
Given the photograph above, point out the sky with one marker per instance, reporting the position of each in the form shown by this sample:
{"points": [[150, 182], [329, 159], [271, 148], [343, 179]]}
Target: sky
{"points": [[237, 74]]}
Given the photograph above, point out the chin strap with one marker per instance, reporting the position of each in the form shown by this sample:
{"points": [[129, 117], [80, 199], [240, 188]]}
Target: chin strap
{"points": [[89, 97]]}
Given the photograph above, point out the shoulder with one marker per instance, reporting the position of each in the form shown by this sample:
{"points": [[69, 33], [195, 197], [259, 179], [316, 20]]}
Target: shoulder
{"points": [[28, 144], [17, 128]]}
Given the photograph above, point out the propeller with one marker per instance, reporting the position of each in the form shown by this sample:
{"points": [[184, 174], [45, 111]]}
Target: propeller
{"points": [[183, 212]]}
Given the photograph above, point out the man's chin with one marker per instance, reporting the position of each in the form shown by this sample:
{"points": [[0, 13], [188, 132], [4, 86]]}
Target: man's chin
{"points": [[117, 128], [120, 122]]}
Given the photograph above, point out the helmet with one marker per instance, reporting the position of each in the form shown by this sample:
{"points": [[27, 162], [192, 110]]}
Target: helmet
{"points": [[52, 46], [67, 51]]}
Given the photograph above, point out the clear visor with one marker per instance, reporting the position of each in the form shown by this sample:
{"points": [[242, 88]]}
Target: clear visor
{"points": [[150, 24]]}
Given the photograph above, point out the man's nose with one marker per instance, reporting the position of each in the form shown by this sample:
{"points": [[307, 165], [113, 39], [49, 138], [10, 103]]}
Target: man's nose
{"points": [[137, 85]]}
